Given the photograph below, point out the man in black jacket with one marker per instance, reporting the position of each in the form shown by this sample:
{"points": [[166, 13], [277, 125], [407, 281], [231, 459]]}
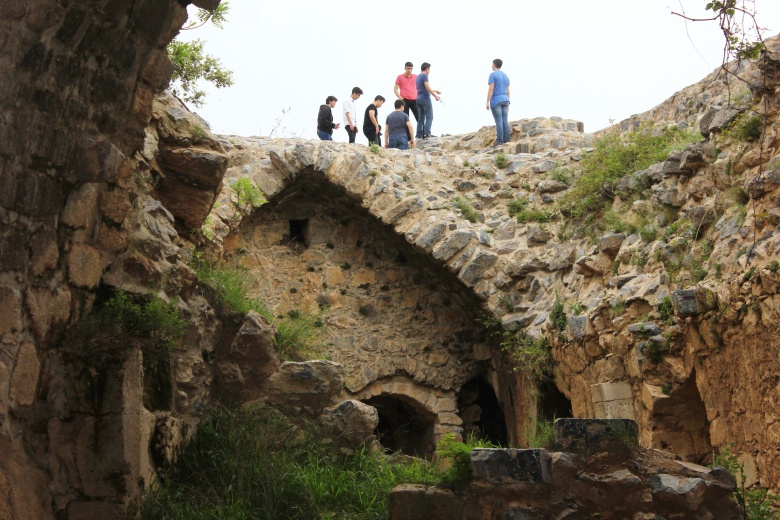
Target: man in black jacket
{"points": [[325, 123]]}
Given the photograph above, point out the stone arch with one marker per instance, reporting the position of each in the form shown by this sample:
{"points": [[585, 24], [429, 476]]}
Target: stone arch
{"points": [[405, 425], [677, 420]]}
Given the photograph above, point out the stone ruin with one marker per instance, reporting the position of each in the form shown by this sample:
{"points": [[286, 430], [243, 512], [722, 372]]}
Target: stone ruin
{"points": [[108, 187]]}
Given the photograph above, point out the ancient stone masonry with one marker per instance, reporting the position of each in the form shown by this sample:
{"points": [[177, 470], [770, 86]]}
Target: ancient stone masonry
{"points": [[397, 253], [595, 471]]}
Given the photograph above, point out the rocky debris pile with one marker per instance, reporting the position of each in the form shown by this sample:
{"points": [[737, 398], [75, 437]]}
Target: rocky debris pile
{"points": [[596, 470]]}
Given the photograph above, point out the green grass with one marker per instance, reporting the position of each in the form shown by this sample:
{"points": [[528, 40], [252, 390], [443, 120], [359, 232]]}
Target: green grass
{"points": [[254, 464], [516, 206], [614, 157], [229, 287], [535, 215], [501, 160], [298, 336], [466, 208], [543, 435], [458, 454], [757, 503]]}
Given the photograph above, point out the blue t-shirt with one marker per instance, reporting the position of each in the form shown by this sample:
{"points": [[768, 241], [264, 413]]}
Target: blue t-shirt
{"points": [[395, 126], [500, 82], [422, 92]]}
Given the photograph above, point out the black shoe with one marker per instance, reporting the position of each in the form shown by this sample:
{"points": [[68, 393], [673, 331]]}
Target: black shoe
{"points": [[428, 135]]}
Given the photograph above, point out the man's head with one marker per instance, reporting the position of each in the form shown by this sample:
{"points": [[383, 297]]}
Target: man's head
{"points": [[408, 67], [497, 63], [425, 67], [331, 101], [399, 104], [356, 92], [379, 101]]}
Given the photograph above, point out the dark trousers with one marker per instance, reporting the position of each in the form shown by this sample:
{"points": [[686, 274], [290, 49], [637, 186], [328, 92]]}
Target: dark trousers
{"points": [[351, 133], [372, 137], [411, 104]]}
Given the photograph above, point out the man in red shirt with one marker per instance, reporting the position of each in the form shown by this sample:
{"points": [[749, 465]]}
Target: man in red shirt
{"points": [[406, 88]]}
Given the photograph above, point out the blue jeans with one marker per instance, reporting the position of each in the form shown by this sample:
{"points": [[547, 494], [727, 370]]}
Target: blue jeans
{"points": [[398, 141], [424, 122], [501, 116], [324, 136]]}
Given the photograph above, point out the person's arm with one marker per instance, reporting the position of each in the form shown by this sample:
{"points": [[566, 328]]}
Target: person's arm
{"points": [[387, 133], [397, 90], [507, 92], [490, 94], [347, 115], [411, 132], [434, 93]]}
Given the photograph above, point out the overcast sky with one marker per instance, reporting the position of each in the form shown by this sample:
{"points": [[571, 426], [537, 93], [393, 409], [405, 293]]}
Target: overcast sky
{"points": [[590, 61]]}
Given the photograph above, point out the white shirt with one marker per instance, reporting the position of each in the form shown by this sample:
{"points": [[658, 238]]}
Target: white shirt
{"points": [[348, 106]]}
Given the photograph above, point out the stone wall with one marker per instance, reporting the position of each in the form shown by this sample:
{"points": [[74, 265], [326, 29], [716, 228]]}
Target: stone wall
{"points": [[75, 97]]}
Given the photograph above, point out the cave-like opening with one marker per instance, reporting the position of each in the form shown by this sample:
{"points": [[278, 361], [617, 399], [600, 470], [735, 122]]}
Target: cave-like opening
{"points": [[404, 425], [481, 412], [299, 231], [552, 403]]}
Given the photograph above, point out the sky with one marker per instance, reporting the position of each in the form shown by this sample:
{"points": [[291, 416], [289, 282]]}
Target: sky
{"points": [[597, 61]]}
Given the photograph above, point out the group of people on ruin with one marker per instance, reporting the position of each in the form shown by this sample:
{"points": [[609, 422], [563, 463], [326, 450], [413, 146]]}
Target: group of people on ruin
{"points": [[413, 94]]}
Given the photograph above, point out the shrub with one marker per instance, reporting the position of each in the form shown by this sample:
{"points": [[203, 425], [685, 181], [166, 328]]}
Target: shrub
{"points": [[757, 503], [374, 148], [516, 206], [459, 456], [615, 156], [532, 356], [466, 209], [229, 287], [501, 160], [665, 308], [535, 215], [248, 196], [564, 175], [255, 464], [745, 127], [297, 337], [543, 435]]}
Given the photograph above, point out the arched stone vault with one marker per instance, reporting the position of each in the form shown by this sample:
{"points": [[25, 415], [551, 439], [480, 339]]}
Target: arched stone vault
{"points": [[396, 318]]}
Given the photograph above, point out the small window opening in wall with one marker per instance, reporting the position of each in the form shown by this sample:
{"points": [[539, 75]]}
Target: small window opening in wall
{"points": [[299, 231]]}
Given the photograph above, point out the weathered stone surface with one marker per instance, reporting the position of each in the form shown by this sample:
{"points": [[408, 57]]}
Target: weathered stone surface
{"points": [[551, 186], [247, 363], [204, 168], [498, 466], [454, 243], [595, 434], [85, 265], [611, 242], [10, 310], [475, 268], [537, 236], [24, 380], [417, 502], [306, 387], [350, 424], [578, 326], [47, 307], [684, 301]]}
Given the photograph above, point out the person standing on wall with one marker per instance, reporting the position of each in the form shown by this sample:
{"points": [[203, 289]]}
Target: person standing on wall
{"points": [[424, 105], [371, 124], [350, 113], [396, 128], [406, 88], [325, 123], [498, 101]]}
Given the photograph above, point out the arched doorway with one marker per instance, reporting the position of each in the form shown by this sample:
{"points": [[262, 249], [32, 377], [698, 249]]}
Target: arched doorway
{"points": [[404, 425], [481, 412]]}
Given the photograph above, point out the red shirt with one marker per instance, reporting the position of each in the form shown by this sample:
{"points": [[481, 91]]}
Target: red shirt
{"points": [[408, 86]]}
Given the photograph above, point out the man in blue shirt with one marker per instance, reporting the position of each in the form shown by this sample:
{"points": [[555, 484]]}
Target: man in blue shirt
{"points": [[396, 128], [498, 101], [424, 105]]}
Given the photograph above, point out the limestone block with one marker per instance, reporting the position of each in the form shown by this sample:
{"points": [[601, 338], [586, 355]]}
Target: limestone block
{"points": [[594, 434], [476, 267], [81, 208], [47, 307], [452, 244], [499, 466], [417, 502], [578, 326], [309, 386], [764, 183], [603, 392], [269, 233], [677, 491], [350, 424], [537, 236], [482, 351], [611, 242], [620, 409], [115, 205], [45, 252], [10, 310], [24, 380], [189, 204], [84, 265], [684, 301], [551, 186]]}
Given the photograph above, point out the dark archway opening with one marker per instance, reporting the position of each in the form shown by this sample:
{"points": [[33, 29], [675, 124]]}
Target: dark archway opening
{"points": [[404, 425], [299, 231], [481, 412], [679, 424], [553, 404]]}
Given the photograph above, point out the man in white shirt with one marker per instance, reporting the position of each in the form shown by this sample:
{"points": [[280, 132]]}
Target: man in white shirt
{"points": [[350, 113]]}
